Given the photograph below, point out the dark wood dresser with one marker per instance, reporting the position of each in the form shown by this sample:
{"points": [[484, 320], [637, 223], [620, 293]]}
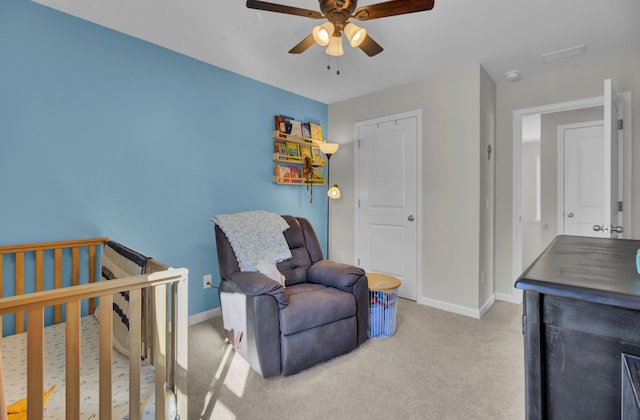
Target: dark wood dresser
{"points": [[581, 326]]}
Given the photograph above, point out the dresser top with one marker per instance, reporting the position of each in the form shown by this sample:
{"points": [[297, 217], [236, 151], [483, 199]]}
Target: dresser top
{"points": [[600, 270]]}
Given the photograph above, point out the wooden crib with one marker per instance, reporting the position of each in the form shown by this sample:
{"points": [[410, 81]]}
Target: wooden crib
{"points": [[158, 321]]}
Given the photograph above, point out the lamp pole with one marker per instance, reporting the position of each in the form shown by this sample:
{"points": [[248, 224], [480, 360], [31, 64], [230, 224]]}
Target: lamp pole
{"points": [[328, 199], [333, 192]]}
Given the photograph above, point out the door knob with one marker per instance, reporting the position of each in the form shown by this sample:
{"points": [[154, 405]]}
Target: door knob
{"points": [[570, 214], [598, 228], [617, 229], [411, 218]]}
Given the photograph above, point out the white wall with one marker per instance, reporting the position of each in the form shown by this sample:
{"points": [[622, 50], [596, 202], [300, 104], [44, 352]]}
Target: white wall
{"points": [[547, 88], [487, 186], [531, 227], [451, 167]]}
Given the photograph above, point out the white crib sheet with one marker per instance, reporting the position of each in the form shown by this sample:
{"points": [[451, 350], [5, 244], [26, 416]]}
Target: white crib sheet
{"points": [[15, 370]]}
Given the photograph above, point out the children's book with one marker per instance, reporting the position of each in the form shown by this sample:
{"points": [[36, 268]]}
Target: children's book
{"points": [[317, 154], [280, 148], [292, 150], [282, 123], [295, 174], [305, 151], [306, 130], [296, 128], [316, 131], [285, 175]]}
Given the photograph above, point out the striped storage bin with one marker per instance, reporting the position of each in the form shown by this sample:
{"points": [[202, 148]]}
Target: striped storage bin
{"points": [[383, 297]]}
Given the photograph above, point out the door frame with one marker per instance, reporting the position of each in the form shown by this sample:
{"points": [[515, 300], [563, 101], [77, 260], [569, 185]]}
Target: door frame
{"points": [[419, 226], [516, 246], [560, 164]]}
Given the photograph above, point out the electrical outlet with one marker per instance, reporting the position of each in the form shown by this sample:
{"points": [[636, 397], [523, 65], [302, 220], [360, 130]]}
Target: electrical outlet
{"points": [[340, 256], [207, 281]]}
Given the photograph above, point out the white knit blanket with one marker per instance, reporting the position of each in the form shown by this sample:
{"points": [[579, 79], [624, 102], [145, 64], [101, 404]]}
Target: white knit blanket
{"points": [[256, 237]]}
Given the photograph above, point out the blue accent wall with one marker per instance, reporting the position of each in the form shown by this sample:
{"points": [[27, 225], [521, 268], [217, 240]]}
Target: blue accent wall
{"points": [[102, 134]]}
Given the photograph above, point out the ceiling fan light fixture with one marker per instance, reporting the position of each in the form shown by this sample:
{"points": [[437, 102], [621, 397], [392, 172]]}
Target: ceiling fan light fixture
{"points": [[322, 33], [335, 46], [355, 34]]}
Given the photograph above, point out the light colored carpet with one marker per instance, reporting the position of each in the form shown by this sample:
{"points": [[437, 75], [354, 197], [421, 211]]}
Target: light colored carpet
{"points": [[437, 365]]}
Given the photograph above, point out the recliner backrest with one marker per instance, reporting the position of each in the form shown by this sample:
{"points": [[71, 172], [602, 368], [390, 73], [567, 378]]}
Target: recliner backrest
{"points": [[302, 240], [295, 269]]}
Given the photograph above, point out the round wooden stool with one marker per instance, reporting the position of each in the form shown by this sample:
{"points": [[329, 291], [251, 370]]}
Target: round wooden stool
{"points": [[378, 281]]}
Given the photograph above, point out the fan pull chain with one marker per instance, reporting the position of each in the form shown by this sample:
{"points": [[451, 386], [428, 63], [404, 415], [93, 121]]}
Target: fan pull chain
{"points": [[329, 64]]}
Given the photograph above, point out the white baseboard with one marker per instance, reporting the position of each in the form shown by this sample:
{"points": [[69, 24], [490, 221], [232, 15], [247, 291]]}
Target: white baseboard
{"points": [[515, 297], [485, 307], [457, 309], [205, 315], [450, 307]]}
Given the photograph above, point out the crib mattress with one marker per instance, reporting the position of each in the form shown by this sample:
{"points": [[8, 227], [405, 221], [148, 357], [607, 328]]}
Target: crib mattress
{"points": [[14, 351]]}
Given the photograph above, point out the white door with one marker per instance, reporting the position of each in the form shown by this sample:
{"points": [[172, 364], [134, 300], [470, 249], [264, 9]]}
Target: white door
{"points": [[589, 173], [387, 182], [581, 198], [612, 111]]}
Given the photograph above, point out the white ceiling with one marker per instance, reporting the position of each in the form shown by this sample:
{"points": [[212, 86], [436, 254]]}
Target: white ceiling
{"points": [[501, 35]]}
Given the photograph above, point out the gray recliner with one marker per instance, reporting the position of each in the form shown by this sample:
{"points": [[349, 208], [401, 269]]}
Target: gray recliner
{"points": [[322, 313]]}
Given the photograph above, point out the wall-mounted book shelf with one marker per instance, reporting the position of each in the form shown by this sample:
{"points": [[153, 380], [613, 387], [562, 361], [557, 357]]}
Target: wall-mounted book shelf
{"points": [[290, 152], [297, 181]]}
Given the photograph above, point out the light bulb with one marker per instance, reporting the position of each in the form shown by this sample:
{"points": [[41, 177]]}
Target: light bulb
{"points": [[334, 192], [322, 33], [355, 34], [335, 46]]}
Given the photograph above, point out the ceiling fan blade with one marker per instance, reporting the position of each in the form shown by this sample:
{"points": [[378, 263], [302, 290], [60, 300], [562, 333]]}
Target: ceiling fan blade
{"points": [[279, 8], [302, 45], [370, 47], [392, 8]]}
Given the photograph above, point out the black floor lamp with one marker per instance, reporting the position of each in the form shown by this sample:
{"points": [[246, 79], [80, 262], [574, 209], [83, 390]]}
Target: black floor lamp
{"points": [[334, 192]]}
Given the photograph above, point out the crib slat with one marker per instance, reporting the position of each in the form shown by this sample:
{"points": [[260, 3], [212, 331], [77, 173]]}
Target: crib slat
{"points": [[134, 353], [105, 310], [172, 304], [39, 270], [35, 364], [57, 282], [92, 275], [73, 360], [19, 289], [181, 337], [159, 297], [145, 325], [1, 294], [75, 264]]}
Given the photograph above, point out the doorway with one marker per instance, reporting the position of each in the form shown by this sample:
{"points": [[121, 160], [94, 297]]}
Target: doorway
{"points": [[524, 247], [388, 198]]}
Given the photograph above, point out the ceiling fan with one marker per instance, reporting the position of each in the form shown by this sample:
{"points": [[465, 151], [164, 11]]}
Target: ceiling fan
{"points": [[338, 13]]}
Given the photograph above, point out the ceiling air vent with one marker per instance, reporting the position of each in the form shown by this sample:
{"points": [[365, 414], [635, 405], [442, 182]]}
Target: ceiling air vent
{"points": [[562, 54]]}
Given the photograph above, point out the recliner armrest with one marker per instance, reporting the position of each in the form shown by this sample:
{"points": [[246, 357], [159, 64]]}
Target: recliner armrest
{"points": [[255, 284], [338, 275]]}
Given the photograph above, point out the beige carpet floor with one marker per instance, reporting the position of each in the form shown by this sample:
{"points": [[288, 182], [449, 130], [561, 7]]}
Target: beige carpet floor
{"points": [[437, 365]]}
